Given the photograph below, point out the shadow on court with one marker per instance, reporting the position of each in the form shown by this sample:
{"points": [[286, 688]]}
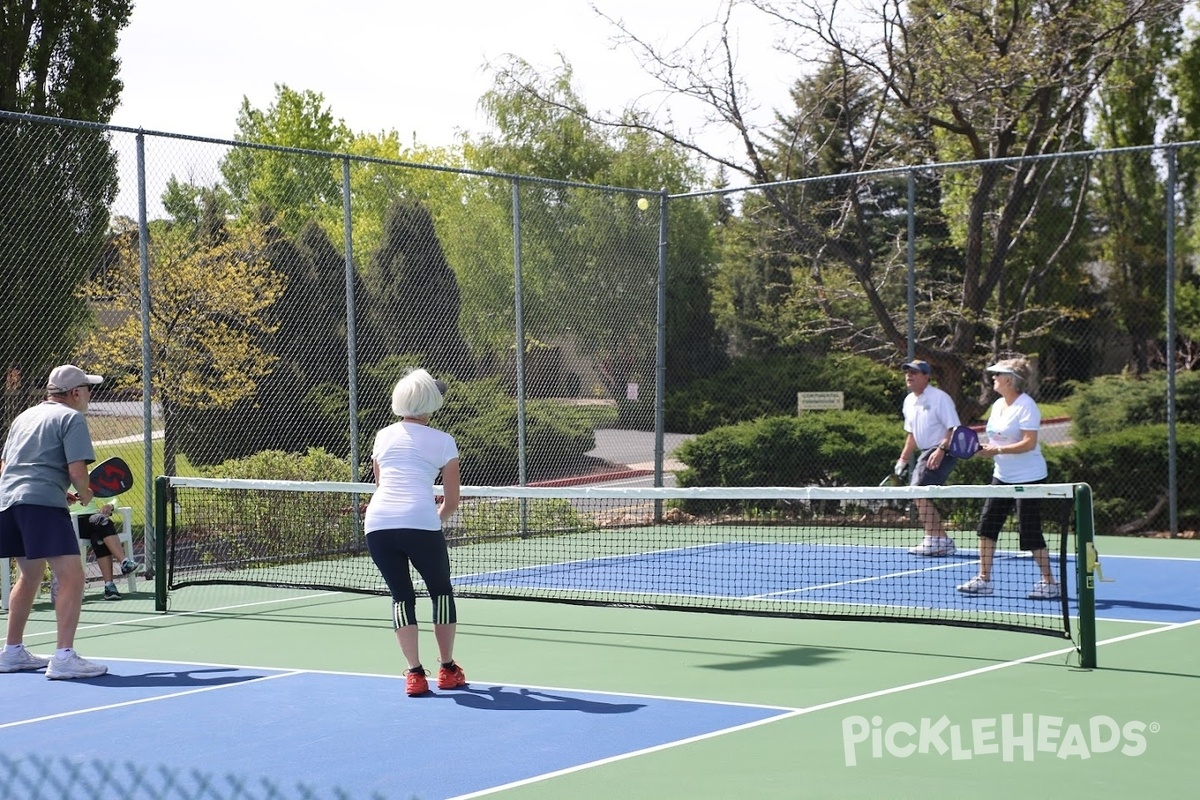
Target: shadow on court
{"points": [[1109, 604], [174, 679], [791, 657], [498, 699]]}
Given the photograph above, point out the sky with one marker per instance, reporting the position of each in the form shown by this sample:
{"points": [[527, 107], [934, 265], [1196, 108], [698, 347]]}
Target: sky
{"points": [[418, 68]]}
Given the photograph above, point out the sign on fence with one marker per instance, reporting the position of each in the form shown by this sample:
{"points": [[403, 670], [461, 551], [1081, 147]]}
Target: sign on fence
{"points": [[819, 401]]}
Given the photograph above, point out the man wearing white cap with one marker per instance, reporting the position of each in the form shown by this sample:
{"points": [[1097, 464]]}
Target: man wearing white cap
{"points": [[929, 421], [46, 454]]}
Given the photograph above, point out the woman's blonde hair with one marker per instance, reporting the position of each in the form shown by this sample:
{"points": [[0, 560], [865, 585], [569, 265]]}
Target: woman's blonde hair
{"points": [[1019, 368], [417, 394]]}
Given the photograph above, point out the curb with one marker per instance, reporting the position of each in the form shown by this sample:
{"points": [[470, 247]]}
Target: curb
{"points": [[598, 477]]}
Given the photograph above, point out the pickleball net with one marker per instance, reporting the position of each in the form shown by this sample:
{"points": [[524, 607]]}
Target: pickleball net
{"points": [[817, 552]]}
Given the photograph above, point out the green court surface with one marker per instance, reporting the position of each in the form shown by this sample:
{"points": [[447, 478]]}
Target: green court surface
{"points": [[871, 709]]}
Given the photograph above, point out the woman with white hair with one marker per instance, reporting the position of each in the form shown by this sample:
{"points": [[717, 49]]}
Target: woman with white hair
{"points": [[1012, 441], [404, 522]]}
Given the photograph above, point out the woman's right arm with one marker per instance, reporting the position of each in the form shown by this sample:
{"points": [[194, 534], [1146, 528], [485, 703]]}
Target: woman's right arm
{"points": [[450, 490]]}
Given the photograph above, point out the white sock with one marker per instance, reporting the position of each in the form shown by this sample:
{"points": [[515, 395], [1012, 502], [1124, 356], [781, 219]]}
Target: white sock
{"points": [[14, 647], [63, 652]]}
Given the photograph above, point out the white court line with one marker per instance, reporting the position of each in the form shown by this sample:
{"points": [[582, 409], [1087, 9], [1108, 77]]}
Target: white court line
{"points": [[866, 579], [140, 701], [788, 713], [621, 757], [167, 615], [820, 707]]}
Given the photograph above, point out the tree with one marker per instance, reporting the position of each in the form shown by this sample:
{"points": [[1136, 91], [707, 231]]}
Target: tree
{"points": [[948, 81], [58, 60], [589, 257], [305, 334], [208, 303], [412, 295], [1130, 197], [295, 187]]}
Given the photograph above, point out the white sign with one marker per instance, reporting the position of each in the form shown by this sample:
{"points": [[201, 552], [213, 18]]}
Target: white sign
{"points": [[820, 401]]}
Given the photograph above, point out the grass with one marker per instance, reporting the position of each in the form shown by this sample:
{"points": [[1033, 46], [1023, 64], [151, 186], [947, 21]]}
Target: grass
{"points": [[104, 431]]}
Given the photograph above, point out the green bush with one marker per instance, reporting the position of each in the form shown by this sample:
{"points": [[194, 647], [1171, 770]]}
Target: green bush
{"points": [[1113, 403], [763, 386], [636, 415], [276, 465], [1127, 471], [271, 526], [482, 418], [825, 448]]}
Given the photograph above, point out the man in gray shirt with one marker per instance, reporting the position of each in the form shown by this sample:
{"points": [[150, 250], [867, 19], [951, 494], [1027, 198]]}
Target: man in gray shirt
{"points": [[47, 452]]}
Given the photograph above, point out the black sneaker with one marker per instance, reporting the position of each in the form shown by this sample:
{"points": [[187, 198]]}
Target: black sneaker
{"points": [[128, 566], [110, 592]]}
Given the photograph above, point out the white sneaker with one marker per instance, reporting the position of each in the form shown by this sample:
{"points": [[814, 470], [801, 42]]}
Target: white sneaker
{"points": [[73, 666], [976, 585], [1044, 591], [21, 661], [943, 546]]}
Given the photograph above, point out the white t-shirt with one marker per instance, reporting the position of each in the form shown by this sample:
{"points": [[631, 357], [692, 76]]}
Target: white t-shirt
{"points": [[929, 416], [409, 456], [1004, 427]]}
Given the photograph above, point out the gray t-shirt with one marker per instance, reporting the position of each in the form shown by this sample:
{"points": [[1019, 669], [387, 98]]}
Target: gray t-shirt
{"points": [[41, 442]]}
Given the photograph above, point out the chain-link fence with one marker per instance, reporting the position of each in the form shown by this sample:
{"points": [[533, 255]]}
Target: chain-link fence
{"points": [[36, 777], [1083, 263], [243, 299]]}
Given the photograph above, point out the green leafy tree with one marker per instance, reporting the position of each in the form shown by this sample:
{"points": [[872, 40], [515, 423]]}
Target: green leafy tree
{"points": [[412, 295], [1130, 196], [589, 257], [295, 188], [209, 300], [947, 81], [59, 60], [305, 333]]}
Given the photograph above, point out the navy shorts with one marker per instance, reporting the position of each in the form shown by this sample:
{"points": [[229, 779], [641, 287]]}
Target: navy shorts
{"points": [[33, 531], [924, 476]]}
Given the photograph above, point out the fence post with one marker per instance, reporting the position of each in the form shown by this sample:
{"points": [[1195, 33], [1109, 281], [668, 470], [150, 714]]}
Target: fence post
{"points": [[149, 539], [1172, 476]]}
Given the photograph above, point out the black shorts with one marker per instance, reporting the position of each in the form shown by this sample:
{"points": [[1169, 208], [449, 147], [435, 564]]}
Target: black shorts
{"points": [[96, 533], [1029, 518]]}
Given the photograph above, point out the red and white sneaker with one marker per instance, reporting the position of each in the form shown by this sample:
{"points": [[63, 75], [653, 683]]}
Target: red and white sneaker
{"points": [[451, 677], [415, 682]]}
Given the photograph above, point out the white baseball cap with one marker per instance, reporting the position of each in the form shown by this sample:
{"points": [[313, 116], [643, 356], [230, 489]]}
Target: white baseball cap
{"points": [[68, 377]]}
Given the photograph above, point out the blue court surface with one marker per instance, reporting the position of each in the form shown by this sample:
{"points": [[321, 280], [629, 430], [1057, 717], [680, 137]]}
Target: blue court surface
{"points": [[324, 734], [1148, 589], [1143, 589], [338, 732]]}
